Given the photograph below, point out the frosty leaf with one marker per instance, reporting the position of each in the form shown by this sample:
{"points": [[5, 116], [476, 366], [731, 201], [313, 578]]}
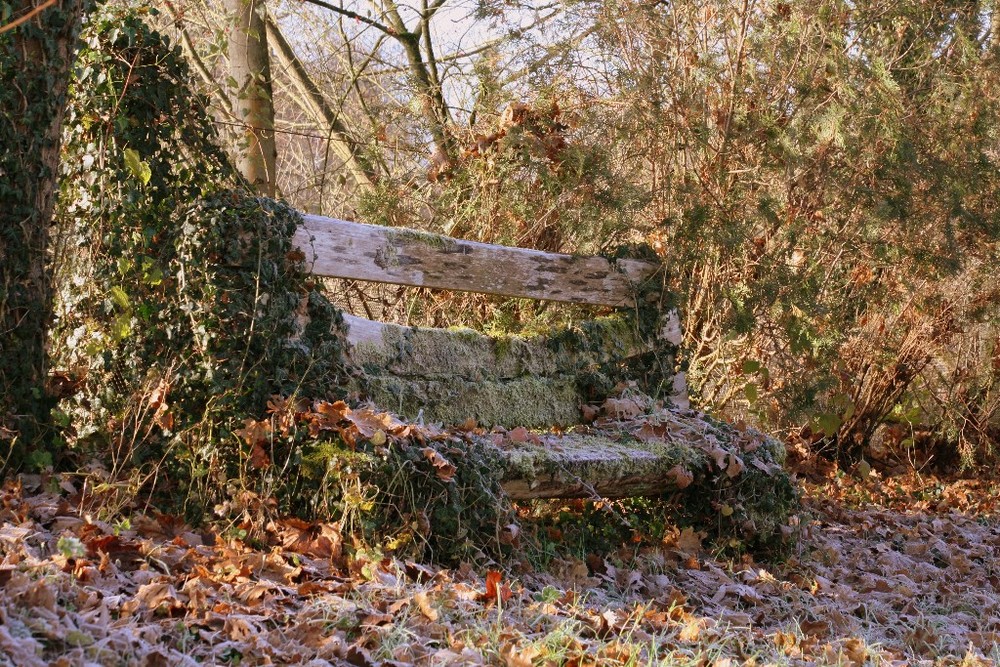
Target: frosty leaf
{"points": [[680, 476], [444, 468]]}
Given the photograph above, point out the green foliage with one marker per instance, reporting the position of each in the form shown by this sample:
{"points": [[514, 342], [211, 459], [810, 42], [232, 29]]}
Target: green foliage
{"points": [[182, 305], [417, 513]]}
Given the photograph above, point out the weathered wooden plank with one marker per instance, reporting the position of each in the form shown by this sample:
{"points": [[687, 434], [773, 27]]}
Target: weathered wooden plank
{"points": [[672, 450], [582, 466], [339, 249]]}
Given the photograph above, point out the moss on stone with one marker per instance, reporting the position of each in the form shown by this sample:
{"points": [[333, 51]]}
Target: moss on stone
{"points": [[452, 375], [534, 402], [751, 503]]}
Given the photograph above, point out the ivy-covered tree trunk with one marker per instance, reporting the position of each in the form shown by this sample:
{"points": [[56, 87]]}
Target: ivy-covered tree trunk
{"points": [[35, 60], [253, 103]]}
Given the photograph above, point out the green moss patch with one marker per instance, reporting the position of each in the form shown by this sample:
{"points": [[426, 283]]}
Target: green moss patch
{"points": [[537, 381]]}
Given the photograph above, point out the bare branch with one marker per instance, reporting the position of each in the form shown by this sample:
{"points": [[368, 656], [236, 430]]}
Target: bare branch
{"points": [[342, 143], [27, 17], [354, 15]]}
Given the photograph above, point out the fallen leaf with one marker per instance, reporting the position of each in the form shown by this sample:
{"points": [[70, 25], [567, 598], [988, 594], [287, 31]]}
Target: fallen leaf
{"points": [[689, 540], [496, 589], [622, 408], [680, 476], [519, 435], [735, 466], [424, 605], [444, 468]]}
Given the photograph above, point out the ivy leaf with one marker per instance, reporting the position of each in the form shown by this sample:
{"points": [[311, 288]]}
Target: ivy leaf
{"points": [[153, 277], [137, 166], [119, 296], [39, 460], [121, 328], [750, 391], [829, 423]]}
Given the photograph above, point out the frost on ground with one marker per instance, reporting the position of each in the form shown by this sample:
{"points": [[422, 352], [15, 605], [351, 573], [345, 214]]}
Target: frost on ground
{"points": [[898, 571]]}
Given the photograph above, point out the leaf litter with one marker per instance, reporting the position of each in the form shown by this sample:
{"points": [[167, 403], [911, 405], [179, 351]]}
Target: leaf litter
{"points": [[885, 571]]}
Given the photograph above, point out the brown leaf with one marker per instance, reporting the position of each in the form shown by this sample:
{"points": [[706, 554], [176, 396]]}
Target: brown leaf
{"points": [[622, 408], [496, 589], [519, 435], [689, 540], [163, 417], [424, 604], [717, 454], [817, 628], [589, 413], [254, 432], [444, 468], [368, 422], [510, 534], [320, 540], [650, 432], [333, 411], [691, 630], [258, 457], [735, 466], [518, 656], [680, 476]]}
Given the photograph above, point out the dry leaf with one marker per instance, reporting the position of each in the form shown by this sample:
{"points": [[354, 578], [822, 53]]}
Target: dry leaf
{"points": [[258, 457], [717, 454], [680, 476], [735, 466], [496, 589], [444, 468], [424, 604], [622, 408], [254, 432], [689, 540], [519, 435]]}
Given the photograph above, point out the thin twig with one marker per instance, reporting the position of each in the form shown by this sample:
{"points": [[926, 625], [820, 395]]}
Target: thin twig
{"points": [[27, 17]]}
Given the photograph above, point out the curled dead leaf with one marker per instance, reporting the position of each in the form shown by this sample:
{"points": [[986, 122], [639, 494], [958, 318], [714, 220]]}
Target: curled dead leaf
{"points": [[424, 605], [444, 468], [735, 466], [680, 476], [622, 408]]}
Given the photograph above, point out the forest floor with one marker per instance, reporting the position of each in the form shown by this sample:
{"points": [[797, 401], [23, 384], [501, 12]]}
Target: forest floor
{"points": [[902, 570]]}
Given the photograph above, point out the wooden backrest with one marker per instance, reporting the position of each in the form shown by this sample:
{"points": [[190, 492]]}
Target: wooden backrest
{"points": [[339, 249], [448, 375]]}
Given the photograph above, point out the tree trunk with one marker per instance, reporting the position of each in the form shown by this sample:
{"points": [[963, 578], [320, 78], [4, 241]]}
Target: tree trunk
{"points": [[35, 61], [253, 103]]}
